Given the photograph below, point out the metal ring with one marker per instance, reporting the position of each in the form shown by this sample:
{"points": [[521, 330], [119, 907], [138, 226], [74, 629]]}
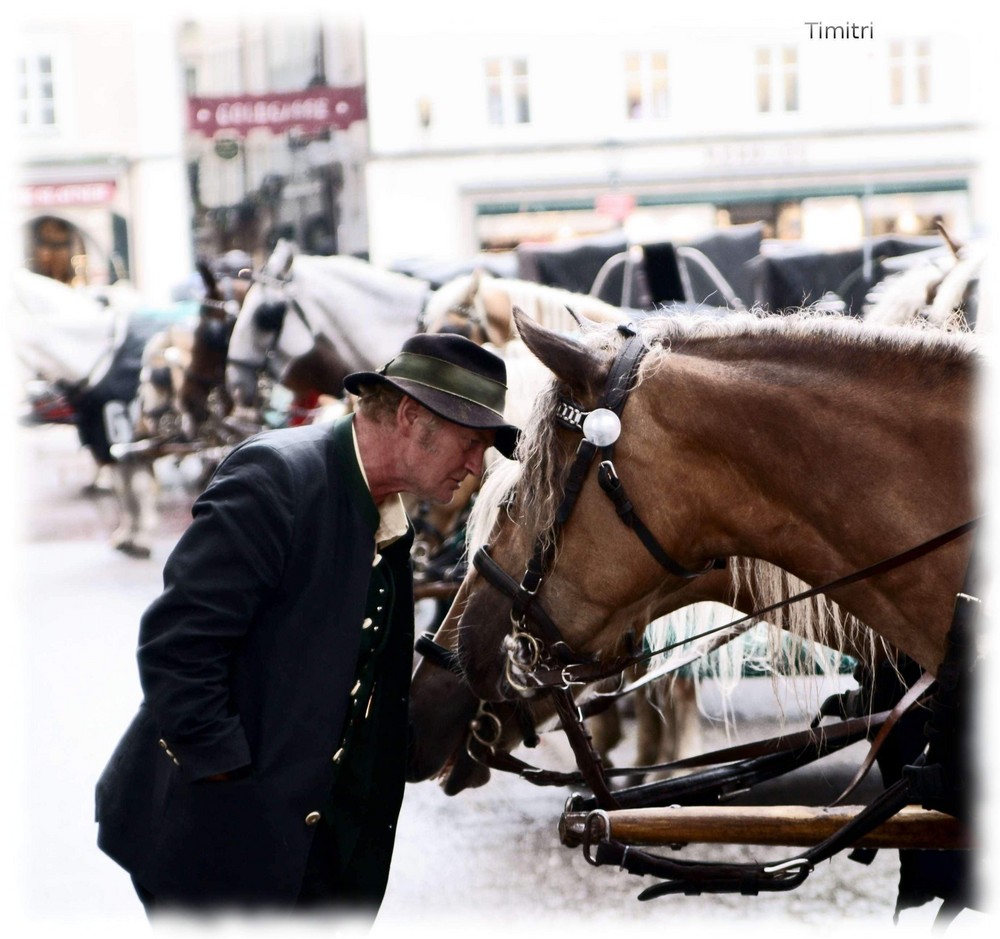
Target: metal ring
{"points": [[598, 816], [523, 649], [515, 683], [793, 865], [476, 724]]}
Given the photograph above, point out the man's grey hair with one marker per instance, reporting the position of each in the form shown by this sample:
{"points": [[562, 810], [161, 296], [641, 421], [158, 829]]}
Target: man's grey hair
{"points": [[379, 401]]}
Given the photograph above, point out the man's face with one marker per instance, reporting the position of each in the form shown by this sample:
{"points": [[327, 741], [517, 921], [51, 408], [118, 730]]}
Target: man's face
{"points": [[446, 454]]}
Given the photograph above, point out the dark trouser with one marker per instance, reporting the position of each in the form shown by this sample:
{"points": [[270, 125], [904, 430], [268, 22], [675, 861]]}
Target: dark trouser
{"points": [[325, 888], [326, 885]]}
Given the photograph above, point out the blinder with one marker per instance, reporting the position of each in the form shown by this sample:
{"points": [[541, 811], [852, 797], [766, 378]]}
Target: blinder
{"points": [[270, 315]]}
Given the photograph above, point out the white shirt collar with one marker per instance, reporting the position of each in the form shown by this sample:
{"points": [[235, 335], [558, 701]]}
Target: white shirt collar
{"points": [[393, 522]]}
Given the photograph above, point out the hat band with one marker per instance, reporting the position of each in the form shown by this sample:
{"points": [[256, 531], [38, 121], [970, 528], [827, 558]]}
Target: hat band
{"points": [[449, 378]]}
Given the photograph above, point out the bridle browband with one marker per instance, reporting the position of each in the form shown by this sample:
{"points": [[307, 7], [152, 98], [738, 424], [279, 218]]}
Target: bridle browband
{"points": [[600, 429]]}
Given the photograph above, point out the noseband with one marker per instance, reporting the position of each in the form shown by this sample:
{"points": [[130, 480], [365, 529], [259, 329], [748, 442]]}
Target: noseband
{"points": [[526, 649]]}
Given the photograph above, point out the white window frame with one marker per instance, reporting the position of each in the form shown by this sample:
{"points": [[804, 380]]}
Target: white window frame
{"points": [[507, 90], [783, 86], [910, 61], [651, 80], [31, 98]]}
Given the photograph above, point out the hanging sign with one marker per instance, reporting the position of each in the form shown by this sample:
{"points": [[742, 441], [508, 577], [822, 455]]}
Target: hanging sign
{"points": [[308, 111]]}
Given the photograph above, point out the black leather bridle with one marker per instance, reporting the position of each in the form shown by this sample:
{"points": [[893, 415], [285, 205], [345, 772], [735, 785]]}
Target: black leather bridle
{"points": [[527, 648]]}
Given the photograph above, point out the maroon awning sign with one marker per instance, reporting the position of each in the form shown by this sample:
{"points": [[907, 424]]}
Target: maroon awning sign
{"points": [[308, 111]]}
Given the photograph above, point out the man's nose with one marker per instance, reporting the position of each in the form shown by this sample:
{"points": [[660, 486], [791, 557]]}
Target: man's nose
{"points": [[474, 464]]}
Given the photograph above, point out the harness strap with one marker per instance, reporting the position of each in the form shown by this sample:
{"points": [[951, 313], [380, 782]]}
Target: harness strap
{"points": [[506, 584], [438, 654], [587, 758], [612, 485], [746, 766]]}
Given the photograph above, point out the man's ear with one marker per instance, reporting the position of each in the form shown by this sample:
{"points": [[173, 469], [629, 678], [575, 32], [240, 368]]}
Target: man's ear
{"points": [[407, 415]]}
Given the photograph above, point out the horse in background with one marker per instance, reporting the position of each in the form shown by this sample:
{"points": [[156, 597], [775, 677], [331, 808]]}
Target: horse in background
{"points": [[78, 348], [937, 287], [181, 408], [480, 307], [308, 322]]}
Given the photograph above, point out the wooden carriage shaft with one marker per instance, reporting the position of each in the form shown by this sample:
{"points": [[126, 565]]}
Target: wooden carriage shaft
{"points": [[788, 825]]}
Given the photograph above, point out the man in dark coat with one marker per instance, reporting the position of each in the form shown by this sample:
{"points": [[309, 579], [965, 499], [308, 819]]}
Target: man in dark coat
{"points": [[265, 767]]}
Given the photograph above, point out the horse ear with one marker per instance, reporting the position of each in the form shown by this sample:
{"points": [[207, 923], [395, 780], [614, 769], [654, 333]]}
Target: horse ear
{"points": [[570, 361], [207, 277]]}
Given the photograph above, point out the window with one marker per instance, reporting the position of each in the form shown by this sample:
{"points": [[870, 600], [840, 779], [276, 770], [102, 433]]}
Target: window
{"points": [[777, 79], [909, 72], [36, 91], [507, 91], [646, 85]]}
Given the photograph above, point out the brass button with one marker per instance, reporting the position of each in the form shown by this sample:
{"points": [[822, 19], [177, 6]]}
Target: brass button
{"points": [[365, 623], [163, 743], [339, 755], [376, 559], [176, 761], [357, 686], [312, 818]]}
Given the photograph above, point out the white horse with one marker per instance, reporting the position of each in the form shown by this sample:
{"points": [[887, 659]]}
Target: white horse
{"points": [[939, 287], [309, 321]]}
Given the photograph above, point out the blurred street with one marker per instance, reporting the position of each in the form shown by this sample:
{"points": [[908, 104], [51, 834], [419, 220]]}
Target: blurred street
{"points": [[489, 856]]}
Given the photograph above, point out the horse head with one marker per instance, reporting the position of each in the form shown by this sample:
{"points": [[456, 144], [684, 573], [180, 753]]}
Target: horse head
{"points": [[264, 337], [703, 469]]}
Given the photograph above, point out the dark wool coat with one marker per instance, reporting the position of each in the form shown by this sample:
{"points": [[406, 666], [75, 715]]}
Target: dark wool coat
{"points": [[246, 661]]}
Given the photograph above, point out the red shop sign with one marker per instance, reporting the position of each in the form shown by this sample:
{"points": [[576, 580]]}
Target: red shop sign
{"points": [[308, 111], [65, 195]]}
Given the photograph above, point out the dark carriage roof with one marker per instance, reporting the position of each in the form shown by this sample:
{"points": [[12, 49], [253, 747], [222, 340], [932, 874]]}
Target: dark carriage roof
{"points": [[788, 275], [572, 265], [575, 265]]}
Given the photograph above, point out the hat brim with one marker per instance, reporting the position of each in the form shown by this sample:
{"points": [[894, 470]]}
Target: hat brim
{"points": [[448, 406]]}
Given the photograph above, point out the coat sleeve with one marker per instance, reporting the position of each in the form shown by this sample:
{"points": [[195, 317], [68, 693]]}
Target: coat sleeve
{"points": [[229, 560]]}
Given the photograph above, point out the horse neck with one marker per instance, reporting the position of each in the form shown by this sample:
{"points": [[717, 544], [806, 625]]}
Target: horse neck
{"points": [[818, 459]]}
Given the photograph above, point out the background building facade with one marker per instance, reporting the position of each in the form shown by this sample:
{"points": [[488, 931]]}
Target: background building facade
{"points": [[447, 136], [99, 185], [497, 136]]}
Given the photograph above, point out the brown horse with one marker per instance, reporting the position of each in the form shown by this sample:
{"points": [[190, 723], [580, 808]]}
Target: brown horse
{"points": [[442, 705], [811, 442]]}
